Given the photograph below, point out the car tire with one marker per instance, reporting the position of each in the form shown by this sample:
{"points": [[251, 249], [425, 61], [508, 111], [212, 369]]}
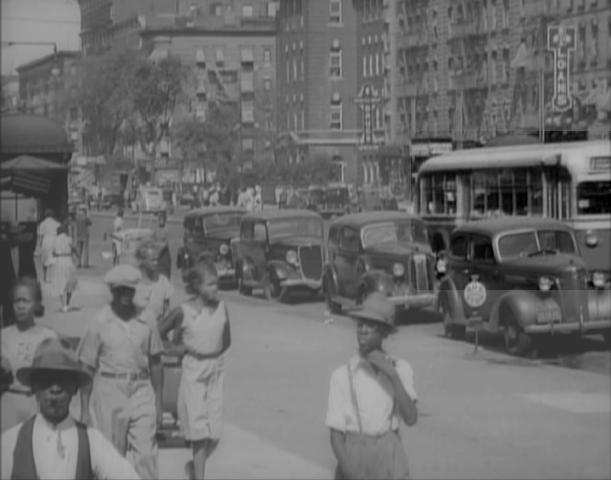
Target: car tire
{"points": [[243, 289], [328, 290], [607, 337], [272, 289], [517, 342], [451, 330]]}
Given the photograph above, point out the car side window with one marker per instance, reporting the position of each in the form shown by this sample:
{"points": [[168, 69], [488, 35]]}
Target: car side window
{"points": [[349, 240], [458, 247], [247, 231], [482, 250], [333, 239], [259, 232]]}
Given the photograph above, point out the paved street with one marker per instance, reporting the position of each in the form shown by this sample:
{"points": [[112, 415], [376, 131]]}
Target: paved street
{"points": [[482, 415]]}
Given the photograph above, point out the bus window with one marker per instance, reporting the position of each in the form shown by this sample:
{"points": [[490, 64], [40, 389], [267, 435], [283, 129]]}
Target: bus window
{"points": [[556, 240], [438, 194], [594, 198]]}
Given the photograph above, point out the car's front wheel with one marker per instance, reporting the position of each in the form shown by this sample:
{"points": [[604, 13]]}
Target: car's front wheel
{"points": [[517, 342], [450, 329], [607, 337], [329, 291]]}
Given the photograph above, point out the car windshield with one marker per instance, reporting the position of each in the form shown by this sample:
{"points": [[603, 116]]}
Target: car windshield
{"points": [[531, 243], [219, 221], [317, 195], [295, 227], [412, 231], [336, 194], [594, 198]]}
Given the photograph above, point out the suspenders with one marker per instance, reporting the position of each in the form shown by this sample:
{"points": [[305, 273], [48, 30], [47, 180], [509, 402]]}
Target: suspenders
{"points": [[355, 402]]}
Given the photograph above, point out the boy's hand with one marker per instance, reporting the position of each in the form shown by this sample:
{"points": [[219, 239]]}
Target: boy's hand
{"points": [[382, 362]]}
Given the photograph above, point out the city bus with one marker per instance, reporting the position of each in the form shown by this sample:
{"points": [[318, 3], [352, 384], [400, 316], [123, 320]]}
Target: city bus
{"points": [[569, 181]]}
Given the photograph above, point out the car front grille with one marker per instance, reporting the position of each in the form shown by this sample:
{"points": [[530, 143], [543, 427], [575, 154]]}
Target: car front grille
{"points": [[572, 295], [421, 281], [310, 259]]}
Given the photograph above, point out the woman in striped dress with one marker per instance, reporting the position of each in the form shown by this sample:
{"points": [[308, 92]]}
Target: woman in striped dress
{"points": [[63, 272]]}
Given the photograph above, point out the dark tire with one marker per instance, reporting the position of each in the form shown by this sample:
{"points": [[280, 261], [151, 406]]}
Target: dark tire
{"points": [[607, 337], [243, 289], [272, 289], [328, 291], [451, 330], [517, 342]]}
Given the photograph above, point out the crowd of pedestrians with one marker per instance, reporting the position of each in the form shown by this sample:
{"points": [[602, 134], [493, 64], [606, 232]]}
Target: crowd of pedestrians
{"points": [[118, 370]]}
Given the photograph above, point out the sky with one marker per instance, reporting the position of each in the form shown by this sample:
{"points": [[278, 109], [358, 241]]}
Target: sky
{"points": [[37, 21]]}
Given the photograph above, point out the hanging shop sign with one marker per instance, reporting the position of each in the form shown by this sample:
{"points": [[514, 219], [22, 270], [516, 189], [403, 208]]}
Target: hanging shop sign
{"points": [[561, 40]]}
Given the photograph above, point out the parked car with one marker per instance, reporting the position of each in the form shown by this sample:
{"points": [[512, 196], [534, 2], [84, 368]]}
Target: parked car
{"points": [[379, 251], [211, 231], [149, 200], [330, 201], [280, 251], [522, 276]]}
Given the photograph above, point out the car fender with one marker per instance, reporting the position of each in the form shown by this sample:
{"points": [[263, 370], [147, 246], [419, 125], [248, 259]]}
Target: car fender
{"points": [[522, 305], [599, 304], [448, 292], [376, 281]]}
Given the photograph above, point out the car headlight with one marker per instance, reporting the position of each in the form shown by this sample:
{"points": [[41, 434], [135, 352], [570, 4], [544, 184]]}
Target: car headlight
{"points": [[291, 257], [545, 284], [441, 266], [398, 269], [598, 279], [224, 249]]}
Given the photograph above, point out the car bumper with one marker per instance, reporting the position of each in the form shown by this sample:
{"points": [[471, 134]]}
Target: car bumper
{"points": [[421, 300], [223, 272], [592, 325], [300, 283]]}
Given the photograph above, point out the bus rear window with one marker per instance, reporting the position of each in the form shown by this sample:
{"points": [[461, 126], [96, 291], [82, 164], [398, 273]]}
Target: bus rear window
{"points": [[594, 198]]}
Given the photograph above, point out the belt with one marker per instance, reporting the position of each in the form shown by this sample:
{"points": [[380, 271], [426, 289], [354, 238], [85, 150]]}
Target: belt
{"points": [[126, 375]]}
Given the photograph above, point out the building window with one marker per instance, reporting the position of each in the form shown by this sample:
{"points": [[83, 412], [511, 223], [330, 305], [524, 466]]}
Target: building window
{"points": [[248, 111], [220, 56], [365, 66], [377, 64], [492, 15], [288, 68], [302, 62], [247, 10], [335, 120], [335, 12], [267, 84], [335, 64], [267, 56], [216, 9], [248, 144], [271, 9], [295, 76]]}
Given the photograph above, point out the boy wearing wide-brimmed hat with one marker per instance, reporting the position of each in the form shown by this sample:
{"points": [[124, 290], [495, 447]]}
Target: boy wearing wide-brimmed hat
{"points": [[368, 397], [52, 444]]}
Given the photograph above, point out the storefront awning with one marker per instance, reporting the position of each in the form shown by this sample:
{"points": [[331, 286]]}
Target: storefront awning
{"points": [[27, 162]]}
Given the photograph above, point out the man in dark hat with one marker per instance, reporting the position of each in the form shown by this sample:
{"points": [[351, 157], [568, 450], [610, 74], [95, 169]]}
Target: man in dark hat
{"points": [[368, 397], [52, 444]]}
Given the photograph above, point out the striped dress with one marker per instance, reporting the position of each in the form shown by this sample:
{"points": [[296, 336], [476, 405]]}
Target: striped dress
{"points": [[63, 272]]}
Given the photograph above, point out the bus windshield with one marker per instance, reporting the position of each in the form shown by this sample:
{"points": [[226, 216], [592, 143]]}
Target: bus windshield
{"points": [[525, 244], [594, 198]]}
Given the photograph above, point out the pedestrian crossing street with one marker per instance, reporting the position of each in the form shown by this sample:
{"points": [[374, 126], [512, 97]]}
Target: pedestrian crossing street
{"points": [[242, 454], [573, 402]]}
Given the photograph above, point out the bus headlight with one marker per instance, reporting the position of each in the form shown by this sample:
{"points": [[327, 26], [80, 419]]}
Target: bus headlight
{"points": [[224, 249], [545, 284], [398, 269], [598, 279], [291, 257]]}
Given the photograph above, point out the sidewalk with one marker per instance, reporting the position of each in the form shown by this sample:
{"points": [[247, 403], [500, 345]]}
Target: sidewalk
{"points": [[241, 454]]}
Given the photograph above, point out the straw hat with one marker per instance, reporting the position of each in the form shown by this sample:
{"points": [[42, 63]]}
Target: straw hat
{"points": [[123, 276], [52, 356], [375, 308]]}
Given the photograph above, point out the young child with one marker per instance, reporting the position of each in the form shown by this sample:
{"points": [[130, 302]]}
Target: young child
{"points": [[201, 335], [367, 399], [19, 342], [154, 291]]}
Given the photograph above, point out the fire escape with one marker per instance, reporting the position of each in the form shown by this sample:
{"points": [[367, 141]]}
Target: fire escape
{"points": [[469, 76]]}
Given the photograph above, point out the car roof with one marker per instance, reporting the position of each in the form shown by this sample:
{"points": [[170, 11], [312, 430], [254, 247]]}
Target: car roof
{"points": [[493, 226], [203, 211], [273, 214], [363, 218]]}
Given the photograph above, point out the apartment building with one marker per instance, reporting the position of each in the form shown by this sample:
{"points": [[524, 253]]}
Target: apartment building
{"points": [[317, 84], [47, 86]]}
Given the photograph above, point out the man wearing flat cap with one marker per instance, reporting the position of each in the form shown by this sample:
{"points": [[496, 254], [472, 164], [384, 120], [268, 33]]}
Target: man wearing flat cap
{"points": [[51, 444], [368, 398], [122, 351]]}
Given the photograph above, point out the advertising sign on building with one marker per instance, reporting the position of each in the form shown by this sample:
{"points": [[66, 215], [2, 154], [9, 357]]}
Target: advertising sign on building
{"points": [[561, 41], [368, 100]]}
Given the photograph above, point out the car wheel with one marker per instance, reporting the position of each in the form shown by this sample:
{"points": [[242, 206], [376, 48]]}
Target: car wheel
{"points": [[451, 330], [272, 289], [607, 337], [516, 341], [329, 291], [243, 289]]}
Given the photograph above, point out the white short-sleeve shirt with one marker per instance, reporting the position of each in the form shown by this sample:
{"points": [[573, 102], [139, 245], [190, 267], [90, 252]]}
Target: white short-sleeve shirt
{"points": [[374, 395]]}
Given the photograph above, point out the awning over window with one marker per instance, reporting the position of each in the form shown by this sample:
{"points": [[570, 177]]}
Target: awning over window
{"points": [[27, 162]]}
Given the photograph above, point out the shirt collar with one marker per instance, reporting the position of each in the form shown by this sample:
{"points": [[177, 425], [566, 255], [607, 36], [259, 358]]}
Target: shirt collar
{"points": [[357, 362], [65, 424]]}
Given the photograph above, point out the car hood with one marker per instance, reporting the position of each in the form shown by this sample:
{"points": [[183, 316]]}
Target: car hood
{"points": [[549, 263], [397, 250]]}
